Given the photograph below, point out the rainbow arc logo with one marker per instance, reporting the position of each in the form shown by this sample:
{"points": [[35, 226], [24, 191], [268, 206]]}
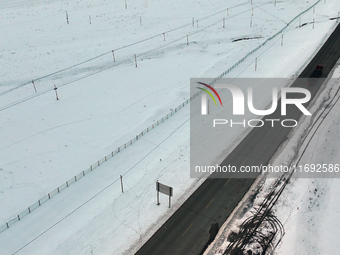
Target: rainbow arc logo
{"points": [[209, 93]]}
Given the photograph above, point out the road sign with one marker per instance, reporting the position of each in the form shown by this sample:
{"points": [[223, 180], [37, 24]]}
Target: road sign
{"points": [[165, 190]]}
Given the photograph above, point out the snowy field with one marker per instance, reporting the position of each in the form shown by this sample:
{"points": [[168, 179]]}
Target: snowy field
{"points": [[107, 101], [309, 207]]}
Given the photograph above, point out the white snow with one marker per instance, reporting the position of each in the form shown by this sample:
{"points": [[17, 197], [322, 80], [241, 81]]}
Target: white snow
{"points": [[103, 104], [309, 207]]}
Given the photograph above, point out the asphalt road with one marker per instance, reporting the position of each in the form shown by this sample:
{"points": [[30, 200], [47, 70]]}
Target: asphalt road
{"points": [[188, 230]]}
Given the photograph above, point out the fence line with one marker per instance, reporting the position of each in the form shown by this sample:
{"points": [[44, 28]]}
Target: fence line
{"points": [[99, 68], [54, 192], [104, 67], [117, 49]]}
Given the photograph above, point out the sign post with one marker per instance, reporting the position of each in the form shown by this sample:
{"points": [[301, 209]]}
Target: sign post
{"points": [[165, 190], [157, 188]]}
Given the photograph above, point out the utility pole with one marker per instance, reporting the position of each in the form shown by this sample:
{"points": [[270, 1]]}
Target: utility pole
{"points": [[67, 18], [56, 91], [114, 58], [121, 183], [34, 87]]}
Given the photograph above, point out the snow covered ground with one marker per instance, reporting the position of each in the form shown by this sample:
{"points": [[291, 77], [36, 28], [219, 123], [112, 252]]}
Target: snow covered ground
{"points": [[309, 207], [103, 104]]}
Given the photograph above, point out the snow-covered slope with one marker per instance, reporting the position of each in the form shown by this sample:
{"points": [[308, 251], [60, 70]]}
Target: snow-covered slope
{"points": [[103, 104], [309, 207]]}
